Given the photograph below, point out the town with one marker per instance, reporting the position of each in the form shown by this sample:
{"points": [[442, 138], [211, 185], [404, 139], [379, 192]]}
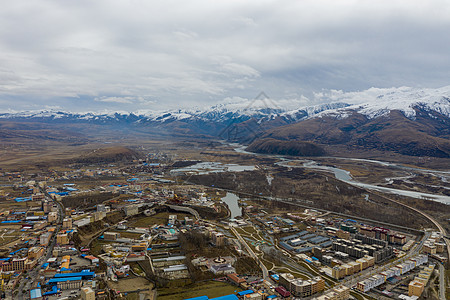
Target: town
{"points": [[139, 230]]}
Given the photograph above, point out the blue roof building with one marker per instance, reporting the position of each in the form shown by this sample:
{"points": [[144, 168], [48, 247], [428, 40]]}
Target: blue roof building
{"points": [[63, 279], [36, 294], [82, 274], [247, 292], [199, 298], [227, 297], [52, 292]]}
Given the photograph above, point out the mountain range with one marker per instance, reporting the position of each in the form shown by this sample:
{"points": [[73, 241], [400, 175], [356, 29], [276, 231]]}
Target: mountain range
{"points": [[407, 121]]}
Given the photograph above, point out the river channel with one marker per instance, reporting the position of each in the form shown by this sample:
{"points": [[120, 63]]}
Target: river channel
{"points": [[346, 177], [231, 200]]}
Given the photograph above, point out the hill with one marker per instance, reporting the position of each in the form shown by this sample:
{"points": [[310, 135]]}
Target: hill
{"points": [[428, 134]]}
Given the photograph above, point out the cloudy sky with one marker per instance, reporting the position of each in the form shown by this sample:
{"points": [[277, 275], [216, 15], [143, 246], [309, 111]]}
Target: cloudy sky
{"points": [[143, 54]]}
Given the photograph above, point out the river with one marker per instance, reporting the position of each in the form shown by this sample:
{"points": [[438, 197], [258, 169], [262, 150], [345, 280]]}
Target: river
{"points": [[208, 167], [231, 200], [345, 176]]}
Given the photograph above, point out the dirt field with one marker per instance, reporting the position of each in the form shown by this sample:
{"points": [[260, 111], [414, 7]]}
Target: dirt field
{"points": [[126, 285], [160, 218], [209, 288]]}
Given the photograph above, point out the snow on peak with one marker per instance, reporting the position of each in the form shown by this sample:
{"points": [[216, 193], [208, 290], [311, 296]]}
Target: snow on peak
{"points": [[373, 103], [376, 102]]}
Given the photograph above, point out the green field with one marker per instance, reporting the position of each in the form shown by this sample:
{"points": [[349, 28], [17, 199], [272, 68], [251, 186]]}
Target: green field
{"points": [[160, 218], [128, 235], [208, 288]]}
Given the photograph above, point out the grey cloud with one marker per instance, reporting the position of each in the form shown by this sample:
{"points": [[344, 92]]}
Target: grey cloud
{"points": [[173, 53]]}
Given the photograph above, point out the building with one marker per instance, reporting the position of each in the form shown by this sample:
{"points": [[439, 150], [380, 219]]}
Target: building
{"points": [[371, 240], [93, 259], [415, 288], [408, 245], [131, 210], [338, 293], [52, 216], [338, 272], [111, 236], [399, 239], [429, 248], [35, 252], [36, 294], [440, 247], [16, 264], [376, 280], [370, 283], [222, 269], [423, 278], [44, 238], [172, 219], [47, 206], [282, 291], [87, 293], [218, 238], [234, 278], [82, 222], [348, 228], [300, 287], [98, 215], [343, 234], [67, 223], [66, 283], [139, 247], [62, 238], [366, 262], [103, 208]]}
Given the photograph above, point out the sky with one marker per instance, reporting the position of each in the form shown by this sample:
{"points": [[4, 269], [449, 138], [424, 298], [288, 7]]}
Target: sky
{"points": [[108, 55]]}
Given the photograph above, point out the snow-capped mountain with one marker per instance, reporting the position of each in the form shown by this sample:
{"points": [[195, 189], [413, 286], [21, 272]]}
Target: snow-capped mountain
{"points": [[217, 113], [373, 103], [377, 102], [406, 121], [365, 118]]}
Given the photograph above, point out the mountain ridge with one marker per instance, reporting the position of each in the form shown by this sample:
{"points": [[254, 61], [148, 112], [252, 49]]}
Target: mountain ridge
{"points": [[417, 120]]}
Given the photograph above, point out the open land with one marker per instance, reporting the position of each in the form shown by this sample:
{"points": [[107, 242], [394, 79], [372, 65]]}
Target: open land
{"points": [[126, 211]]}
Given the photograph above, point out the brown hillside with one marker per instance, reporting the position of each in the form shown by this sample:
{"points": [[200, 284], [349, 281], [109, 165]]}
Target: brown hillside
{"points": [[295, 148], [424, 136]]}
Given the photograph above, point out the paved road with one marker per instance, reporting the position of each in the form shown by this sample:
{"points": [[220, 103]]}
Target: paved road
{"points": [[252, 254], [26, 284], [375, 270], [441, 282], [436, 223]]}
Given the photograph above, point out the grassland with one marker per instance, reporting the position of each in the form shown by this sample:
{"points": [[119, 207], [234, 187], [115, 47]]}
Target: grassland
{"points": [[209, 288], [160, 218], [132, 284]]}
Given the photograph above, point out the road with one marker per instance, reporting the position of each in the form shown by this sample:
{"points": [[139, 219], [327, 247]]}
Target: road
{"points": [[252, 254], [375, 270], [436, 223], [26, 284], [353, 182], [441, 282]]}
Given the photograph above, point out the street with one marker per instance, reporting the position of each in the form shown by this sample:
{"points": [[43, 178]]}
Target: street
{"points": [[26, 284]]}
